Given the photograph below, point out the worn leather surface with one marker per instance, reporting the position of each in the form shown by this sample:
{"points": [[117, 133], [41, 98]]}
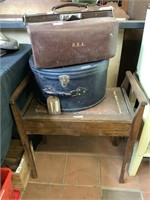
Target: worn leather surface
{"points": [[56, 44]]}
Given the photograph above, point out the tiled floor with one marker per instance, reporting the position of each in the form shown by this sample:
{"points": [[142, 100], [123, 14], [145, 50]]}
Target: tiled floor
{"points": [[78, 168]]}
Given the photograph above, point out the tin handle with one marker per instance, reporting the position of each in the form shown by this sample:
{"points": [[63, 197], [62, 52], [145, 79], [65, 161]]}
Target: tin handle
{"points": [[73, 93]]}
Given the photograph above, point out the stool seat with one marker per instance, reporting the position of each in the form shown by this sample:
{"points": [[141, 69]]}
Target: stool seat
{"points": [[106, 118], [114, 116]]}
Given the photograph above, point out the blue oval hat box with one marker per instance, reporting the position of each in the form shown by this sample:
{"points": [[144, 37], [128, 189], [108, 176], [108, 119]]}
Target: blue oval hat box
{"points": [[78, 87]]}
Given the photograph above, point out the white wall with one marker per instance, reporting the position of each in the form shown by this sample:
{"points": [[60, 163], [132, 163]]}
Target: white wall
{"points": [[143, 66], [114, 63]]}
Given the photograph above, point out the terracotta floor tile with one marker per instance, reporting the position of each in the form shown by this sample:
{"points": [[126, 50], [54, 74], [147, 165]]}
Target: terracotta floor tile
{"points": [[81, 193], [106, 148], [54, 144], [50, 168], [42, 192], [82, 170], [82, 144], [98, 145], [144, 176], [110, 172], [146, 196]]}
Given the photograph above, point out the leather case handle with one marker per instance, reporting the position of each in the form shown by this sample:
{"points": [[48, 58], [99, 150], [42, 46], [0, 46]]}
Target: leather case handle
{"points": [[79, 5], [73, 93]]}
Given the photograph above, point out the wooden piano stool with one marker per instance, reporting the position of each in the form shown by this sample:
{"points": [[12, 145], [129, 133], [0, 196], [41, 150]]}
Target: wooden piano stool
{"points": [[114, 116]]}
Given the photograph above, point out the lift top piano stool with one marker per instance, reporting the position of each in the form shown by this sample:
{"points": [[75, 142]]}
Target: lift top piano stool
{"points": [[113, 117]]}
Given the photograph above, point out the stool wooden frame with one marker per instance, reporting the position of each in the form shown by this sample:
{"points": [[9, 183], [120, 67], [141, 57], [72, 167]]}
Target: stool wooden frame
{"points": [[114, 116]]}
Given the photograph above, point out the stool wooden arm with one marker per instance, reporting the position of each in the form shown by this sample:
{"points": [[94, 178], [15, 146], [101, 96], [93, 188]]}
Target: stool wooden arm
{"points": [[129, 83], [130, 80], [113, 117]]}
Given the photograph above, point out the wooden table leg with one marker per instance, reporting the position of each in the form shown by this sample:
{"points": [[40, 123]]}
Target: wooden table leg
{"points": [[125, 161], [24, 139], [29, 151], [131, 140]]}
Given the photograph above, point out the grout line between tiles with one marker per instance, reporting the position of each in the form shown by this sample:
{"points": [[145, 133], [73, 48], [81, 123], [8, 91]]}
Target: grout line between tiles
{"points": [[99, 171], [78, 153], [100, 177], [83, 153], [62, 192], [108, 156], [97, 185], [142, 196], [65, 168], [91, 186], [64, 176], [59, 184], [99, 174], [69, 153]]}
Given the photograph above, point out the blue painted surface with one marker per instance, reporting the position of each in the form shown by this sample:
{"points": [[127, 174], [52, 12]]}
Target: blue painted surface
{"points": [[89, 78], [12, 25], [13, 68]]}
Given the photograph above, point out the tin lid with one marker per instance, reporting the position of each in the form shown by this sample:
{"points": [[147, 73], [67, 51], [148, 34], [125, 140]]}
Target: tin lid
{"points": [[74, 70]]}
